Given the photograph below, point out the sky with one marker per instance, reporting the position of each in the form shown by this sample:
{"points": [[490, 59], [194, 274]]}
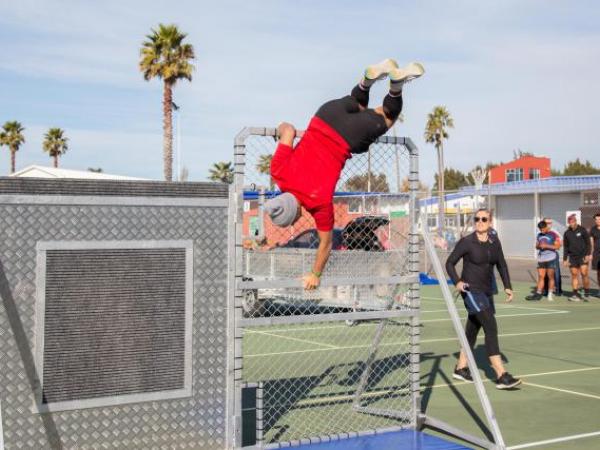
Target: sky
{"points": [[513, 74]]}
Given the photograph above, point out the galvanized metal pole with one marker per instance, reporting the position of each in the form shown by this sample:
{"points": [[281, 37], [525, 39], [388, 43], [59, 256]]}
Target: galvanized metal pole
{"points": [[462, 338], [1, 430], [414, 268], [261, 212]]}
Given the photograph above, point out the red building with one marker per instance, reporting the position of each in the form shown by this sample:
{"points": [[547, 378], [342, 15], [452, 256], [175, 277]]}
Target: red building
{"points": [[524, 168]]}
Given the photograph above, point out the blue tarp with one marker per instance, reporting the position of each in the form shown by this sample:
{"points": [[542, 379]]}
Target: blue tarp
{"points": [[396, 440]]}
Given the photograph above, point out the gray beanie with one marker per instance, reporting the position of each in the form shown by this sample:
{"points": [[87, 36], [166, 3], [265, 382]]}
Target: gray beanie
{"points": [[282, 209]]}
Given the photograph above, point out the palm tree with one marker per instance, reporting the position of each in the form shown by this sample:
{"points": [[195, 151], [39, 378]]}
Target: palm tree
{"points": [[436, 130], [55, 143], [264, 167], [165, 56], [221, 172], [12, 136]]}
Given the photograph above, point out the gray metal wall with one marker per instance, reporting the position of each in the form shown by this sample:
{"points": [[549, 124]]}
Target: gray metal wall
{"points": [[555, 206], [73, 210], [516, 224], [516, 218]]}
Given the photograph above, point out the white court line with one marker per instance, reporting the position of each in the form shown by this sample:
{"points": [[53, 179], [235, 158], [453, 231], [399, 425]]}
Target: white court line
{"points": [[526, 375], [520, 334], [422, 341], [566, 391], [305, 341], [502, 316], [335, 327], [500, 306], [533, 308], [554, 441]]}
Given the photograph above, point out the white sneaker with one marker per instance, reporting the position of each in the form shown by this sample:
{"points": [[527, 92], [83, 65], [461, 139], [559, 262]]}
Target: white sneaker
{"points": [[550, 296], [380, 70], [405, 74]]}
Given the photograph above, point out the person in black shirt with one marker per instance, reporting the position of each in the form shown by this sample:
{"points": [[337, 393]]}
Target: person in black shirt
{"points": [[595, 234], [480, 252], [576, 256]]}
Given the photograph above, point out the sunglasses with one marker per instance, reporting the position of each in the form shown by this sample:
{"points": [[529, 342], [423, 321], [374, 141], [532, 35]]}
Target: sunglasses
{"points": [[481, 219]]}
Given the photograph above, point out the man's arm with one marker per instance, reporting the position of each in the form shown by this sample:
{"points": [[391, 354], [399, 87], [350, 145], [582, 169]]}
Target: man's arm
{"points": [[588, 245], [557, 240], [313, 279], [287, 134], [565, 246]]}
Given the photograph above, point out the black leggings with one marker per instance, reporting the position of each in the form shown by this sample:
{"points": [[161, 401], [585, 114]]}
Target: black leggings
{"points": [[484, 319], [359, 128]]}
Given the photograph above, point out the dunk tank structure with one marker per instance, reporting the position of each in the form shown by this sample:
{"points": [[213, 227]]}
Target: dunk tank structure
{"points": [[337, 367]]}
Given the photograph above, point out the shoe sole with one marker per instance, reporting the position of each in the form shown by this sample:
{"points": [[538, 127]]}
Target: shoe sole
{"points": [[508, 386], [380, 70], [461, 378], [408, 73]]}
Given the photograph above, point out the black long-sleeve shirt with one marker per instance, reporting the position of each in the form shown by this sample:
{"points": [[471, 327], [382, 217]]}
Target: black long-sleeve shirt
{"points": [[576, 243], [479, 259]]}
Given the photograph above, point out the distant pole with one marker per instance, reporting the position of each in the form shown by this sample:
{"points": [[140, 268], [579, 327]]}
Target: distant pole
{"points": [[369, 170], [398, 180]]}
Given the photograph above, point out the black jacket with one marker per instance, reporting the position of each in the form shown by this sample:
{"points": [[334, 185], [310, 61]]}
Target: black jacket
{"points": [[479, 259], [576, 243]]}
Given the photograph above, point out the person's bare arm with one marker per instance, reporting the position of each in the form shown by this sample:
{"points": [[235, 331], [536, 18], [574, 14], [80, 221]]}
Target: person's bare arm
{"points": [[313, 279], [287, 134]]}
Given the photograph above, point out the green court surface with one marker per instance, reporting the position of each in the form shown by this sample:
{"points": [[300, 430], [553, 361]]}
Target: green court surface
{"points": [[554, 347]]}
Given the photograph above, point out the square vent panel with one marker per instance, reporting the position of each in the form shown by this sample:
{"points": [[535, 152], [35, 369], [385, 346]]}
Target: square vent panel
{"points": [[113, 322]]}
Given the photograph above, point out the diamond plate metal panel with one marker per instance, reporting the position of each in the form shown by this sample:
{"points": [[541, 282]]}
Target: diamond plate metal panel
{"points": [[196, 422]]}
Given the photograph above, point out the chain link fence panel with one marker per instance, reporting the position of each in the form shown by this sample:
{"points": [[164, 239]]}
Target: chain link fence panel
{"points": [[342, 358]]}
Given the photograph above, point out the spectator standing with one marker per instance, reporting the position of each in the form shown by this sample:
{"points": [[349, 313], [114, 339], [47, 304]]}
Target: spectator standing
{"points": [[595, 234], [547, 256], [576, 257], [557, 246]]}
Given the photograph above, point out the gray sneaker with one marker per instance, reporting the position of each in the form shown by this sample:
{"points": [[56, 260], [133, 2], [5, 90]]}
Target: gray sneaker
{"points": [[575, 297]]}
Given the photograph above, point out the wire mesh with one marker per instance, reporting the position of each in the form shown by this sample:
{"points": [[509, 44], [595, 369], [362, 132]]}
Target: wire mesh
{"points": [[370, 236], [322, 375], [321, 379]]}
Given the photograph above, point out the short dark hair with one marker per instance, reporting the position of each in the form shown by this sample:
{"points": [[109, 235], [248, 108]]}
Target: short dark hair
{"points": [[485, 210], [597, 215], [542, 224]]}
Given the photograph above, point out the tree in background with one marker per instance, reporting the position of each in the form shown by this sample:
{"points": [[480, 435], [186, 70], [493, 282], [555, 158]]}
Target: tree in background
{"points": [[55, 144], [576, 168], [264, 167], [221, 172], [164, 55], [12, 136], [404, 187], [518, 153], [368, 182], [454, 179], [436, 131]]}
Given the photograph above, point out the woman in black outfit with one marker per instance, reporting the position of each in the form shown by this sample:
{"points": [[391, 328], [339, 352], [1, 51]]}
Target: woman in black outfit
{"points": [[480, 252]]}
